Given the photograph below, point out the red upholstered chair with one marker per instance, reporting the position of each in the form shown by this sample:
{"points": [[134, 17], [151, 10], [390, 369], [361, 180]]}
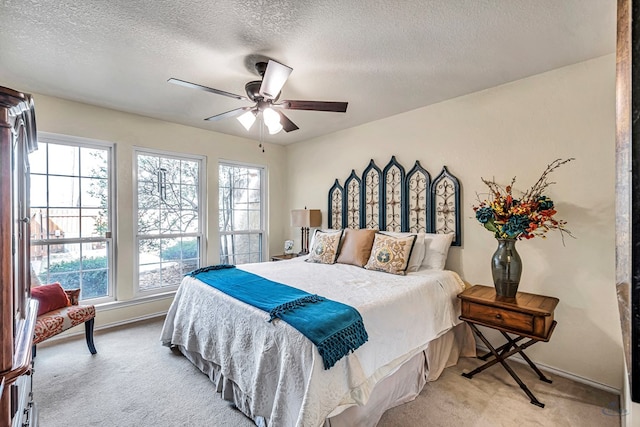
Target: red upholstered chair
{"points": [[58, 311]]}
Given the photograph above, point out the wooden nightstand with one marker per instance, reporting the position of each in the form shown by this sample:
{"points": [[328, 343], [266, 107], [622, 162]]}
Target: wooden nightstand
{"points": [[528, 316], [283, 257]]}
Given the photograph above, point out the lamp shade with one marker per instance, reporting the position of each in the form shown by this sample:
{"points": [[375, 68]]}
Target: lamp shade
{"points": [[306, 218]]}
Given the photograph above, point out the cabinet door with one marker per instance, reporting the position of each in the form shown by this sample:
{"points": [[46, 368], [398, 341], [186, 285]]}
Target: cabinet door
{"points": [[20, 223], [17, 314]]}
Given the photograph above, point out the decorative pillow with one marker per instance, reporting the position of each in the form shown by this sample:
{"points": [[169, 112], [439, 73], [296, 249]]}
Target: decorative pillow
{"points": [[73, 295], [321, 230], [391, 254], [436, 250], [325, 247], [356, 246], [50, 297], [418, 248]]}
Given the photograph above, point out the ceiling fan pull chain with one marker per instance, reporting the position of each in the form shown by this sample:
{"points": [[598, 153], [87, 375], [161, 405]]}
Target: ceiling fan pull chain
{"points": [[261, 132]]}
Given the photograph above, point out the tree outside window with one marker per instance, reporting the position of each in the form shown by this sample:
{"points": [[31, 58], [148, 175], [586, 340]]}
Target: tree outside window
{"points": [[168, 220], [241, 213]]}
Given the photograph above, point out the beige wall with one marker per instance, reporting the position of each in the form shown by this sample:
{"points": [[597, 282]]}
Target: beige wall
{"points": [[512, 130], [129, 130]]}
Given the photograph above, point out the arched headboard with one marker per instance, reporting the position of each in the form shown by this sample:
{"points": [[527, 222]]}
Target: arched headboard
{"points": [[393, 199]]}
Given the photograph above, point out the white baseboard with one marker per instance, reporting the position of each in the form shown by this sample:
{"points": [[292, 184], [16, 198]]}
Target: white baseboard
{"points": [[559, 372]]}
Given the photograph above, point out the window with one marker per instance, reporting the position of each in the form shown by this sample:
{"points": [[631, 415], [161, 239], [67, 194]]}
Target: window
{"points": [[169, 218], [241, 213], [70, 223]]}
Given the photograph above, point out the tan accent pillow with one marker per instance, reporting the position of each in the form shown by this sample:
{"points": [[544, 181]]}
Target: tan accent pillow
{"points": [[356, 247], [390, 254], [325, 247]]}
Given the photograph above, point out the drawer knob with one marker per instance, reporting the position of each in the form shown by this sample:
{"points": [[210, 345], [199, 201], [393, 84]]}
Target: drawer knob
{"points": [[498, 316]]}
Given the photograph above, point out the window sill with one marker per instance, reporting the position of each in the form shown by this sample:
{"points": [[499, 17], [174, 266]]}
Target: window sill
{"points": [[114, 305]]}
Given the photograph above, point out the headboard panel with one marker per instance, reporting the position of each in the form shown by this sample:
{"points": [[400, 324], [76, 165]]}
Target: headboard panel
{"points": [[370, 194], [394, 200], [394, 197], [418, 188], [352, 202], [445, 199], [336, 205]]}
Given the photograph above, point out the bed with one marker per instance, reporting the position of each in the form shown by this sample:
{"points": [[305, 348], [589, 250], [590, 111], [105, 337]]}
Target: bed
{"points": [[275, 375]]}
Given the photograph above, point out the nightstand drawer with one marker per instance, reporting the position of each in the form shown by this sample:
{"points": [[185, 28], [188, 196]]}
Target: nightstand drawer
{"points": [[498, 317], [527, 314]]}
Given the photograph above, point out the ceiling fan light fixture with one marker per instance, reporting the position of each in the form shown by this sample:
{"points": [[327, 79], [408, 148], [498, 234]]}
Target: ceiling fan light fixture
{"points": [[265, 94], [247, 119], [274, 78], [273, 129], [271, 118]]}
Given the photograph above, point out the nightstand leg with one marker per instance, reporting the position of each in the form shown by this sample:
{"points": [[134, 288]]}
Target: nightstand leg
{"points": [[500, 357], [526, 358], [502, 349], [522, 385], [493, 352]]}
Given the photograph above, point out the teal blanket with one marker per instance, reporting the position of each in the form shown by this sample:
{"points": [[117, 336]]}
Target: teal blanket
{"points": [[335, 328]]}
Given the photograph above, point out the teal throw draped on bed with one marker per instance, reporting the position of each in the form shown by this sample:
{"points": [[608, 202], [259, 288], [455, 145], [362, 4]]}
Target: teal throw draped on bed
{"points": [[335, 328]]}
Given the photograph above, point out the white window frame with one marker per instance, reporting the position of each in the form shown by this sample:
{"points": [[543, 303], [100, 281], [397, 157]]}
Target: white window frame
{"points": [[201, 235], [265, 207], [110, 238]]}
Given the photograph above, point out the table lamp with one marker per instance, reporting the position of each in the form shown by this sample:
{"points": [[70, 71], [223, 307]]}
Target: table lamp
{"points": [[305, 218]]}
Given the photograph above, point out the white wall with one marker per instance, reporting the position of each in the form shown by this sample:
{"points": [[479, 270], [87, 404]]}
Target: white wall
{"points": [[129, 130], [512, 130]]}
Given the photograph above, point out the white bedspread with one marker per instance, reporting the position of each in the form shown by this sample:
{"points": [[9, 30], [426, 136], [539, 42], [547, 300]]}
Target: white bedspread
{"points": [[280, 371]]}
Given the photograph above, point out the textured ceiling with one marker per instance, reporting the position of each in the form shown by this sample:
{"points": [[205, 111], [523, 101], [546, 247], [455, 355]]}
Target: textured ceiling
{"points": [[383, 57]]}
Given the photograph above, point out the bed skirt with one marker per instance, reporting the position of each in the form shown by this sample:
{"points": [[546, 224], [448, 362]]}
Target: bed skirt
{"points": [[401, 386]]}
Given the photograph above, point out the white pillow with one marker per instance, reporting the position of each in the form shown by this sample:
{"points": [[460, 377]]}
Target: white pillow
{"points": [[436, 248], [417, 254]]}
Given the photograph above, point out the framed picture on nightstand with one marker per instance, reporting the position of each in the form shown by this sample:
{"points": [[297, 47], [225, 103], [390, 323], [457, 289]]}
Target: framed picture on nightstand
{"points": [[288, 246]]}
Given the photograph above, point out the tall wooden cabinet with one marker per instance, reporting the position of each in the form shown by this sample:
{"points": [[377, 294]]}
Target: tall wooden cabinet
{"points": [[17, 310]]}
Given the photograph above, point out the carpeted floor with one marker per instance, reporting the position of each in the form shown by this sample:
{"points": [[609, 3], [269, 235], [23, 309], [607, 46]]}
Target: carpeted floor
{"points": [[134, 381]]}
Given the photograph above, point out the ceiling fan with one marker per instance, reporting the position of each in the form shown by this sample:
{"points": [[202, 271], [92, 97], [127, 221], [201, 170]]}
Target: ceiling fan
{"points": [[265, 94]]}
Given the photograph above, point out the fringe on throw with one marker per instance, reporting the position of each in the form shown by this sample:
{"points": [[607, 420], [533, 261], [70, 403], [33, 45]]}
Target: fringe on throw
{"points": [[341, 343], [292, 305], [209, 268]]}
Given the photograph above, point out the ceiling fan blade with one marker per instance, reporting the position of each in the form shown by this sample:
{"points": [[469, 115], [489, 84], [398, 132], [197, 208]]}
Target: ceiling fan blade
{"points": [[336, 107], [231, 113], [206, 89], [286, 122], [274, 78]]}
